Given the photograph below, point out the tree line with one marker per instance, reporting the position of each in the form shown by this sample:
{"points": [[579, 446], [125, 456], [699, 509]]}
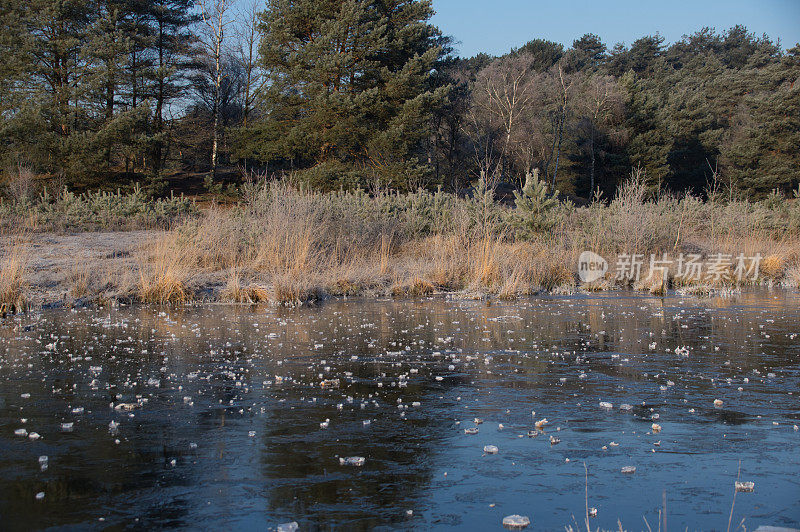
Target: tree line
{"points": [[369, 94]]}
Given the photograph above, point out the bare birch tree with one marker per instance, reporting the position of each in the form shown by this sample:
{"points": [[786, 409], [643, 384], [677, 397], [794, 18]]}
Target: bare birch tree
{"points": [[503, 92], [247, 50], [215, 19], [601, 104]]}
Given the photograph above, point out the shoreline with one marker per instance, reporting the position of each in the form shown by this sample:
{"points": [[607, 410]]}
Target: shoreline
{"points": [[286, 246], [94, 269]]}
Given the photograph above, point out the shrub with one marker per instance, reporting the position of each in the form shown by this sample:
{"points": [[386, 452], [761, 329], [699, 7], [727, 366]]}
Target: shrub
{"points": [[96, 210], [535, 207]]}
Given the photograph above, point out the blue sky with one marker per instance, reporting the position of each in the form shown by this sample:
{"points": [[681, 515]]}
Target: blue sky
{"points": [[497, 25]]}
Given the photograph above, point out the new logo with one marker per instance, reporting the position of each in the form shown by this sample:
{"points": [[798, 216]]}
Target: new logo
{"points": [[591, 266]]}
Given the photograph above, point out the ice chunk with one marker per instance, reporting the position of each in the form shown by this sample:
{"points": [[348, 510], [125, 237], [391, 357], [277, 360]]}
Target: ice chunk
{"points": [[516, 522], [357, 461]]}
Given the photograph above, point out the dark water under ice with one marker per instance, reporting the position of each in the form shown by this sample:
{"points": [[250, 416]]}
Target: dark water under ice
{"points": [[219, 411]]}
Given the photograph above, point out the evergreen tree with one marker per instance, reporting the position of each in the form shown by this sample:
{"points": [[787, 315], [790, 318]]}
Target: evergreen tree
{"points": [[349, 88], [762, 151], [173, 47], [535, 206], [650, 142], [587, 54]]}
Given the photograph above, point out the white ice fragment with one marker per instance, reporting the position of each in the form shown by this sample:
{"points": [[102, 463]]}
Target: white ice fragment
{"points": [[357, 461], [516, 522], [629, 469], [490, 449], [288, 527], [606, 404], [745, 486]]}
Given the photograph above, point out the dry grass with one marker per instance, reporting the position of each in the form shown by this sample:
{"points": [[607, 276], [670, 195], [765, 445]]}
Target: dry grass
{"points": [[13, 284], [291, 291], [305, 245], [290, 247], [79, 279], [415, 288], [792, 278], [774, 266], [163, 273], [238, 292]]}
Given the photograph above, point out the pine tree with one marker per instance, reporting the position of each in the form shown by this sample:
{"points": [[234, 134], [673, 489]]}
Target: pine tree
{"points": [[650, 142], [173, 47], [762, 151], [535, 206], [349, 88]]}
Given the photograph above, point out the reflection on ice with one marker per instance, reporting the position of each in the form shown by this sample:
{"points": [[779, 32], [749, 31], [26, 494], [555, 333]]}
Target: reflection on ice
{"points": [[349, 414]]}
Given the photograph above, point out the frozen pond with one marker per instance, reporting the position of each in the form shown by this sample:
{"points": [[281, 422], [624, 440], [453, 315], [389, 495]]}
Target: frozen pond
{"points": [[230, 417]]}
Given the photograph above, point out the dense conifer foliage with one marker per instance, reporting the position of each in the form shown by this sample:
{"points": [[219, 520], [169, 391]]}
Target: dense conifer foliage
{"points": [[369, 94]]}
